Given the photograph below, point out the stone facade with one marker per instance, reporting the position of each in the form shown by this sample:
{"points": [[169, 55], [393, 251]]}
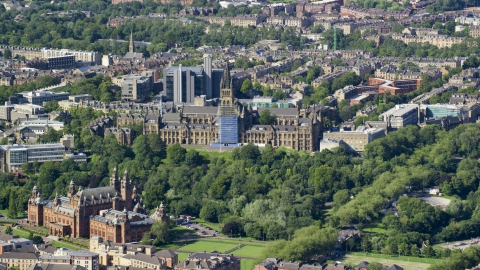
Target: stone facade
{"points": [[72, 215]]}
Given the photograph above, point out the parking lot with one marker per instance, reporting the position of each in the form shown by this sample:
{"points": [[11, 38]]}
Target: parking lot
{"points": [[436, 201], [200, 229]]}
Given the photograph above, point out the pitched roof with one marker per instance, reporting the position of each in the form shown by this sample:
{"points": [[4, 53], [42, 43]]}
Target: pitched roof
{"points": [[395, 267], [165, 253], [145, 258], [17, 255]]}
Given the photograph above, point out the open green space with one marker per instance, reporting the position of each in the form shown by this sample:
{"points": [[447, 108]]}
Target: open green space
{"points": [[247, 264], [238, 241], [249, 251], [182, 256], [171, 245], [4, 213], [20, 233], [208, 246], [203, 150], [64, 245], [375, 227], [181, 230], [214, 226], [407, 262]]}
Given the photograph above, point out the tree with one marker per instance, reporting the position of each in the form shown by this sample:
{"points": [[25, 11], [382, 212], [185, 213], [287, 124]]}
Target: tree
{"points": [[209, 212], [313, 73], [471, 62], [37, 240], [4, 141], [458, 209], [12, 206], [231, 227], [51, 106], [375, 266], [7, 54], [414, 250], [266, 118], [246, 85], [161, 231], [176, 153], [8, 230], [279, 94], [146, 239], [341, 197]]}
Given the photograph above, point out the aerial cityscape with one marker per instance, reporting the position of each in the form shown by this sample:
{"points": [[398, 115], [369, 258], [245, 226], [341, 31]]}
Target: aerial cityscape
{"points": [[240, 135]]}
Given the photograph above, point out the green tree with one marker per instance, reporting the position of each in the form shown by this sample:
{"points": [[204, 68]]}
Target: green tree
{"points": [[375, 266], [161, 231], [51, 106], [266, 118], [8, 230], [231, 228], [246, 85], [12, 206], [209, 212], [7, 54], [176, 153]]}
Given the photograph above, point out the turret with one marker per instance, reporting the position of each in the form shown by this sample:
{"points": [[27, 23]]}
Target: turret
{"points": [[71, 189], [114, 181], [34, 192], [56, 201], [126, 191]]}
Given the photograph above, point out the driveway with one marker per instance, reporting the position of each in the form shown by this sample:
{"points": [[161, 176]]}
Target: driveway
{"points": [[436, 201]]}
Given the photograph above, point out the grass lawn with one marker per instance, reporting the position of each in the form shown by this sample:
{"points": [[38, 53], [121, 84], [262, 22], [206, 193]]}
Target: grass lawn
{"points": [[181, 230], [249, 251], [407, 262], [237, 241], [375, 228], [247, 264], [5, 212], [281, 148], [208, 246], [171, 245], [64, 245], [203, 150], [182, 256], [215, 226], [20, 233]]}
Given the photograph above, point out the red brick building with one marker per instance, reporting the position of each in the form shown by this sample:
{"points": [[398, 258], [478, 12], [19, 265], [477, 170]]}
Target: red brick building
{"points": [[101, 207]]}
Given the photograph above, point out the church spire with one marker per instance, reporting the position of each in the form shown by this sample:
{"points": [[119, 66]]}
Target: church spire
{"points": [[226, 82], [131, 47]]}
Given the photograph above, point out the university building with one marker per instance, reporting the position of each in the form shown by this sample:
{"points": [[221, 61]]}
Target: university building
{"points": [[114, 212]]}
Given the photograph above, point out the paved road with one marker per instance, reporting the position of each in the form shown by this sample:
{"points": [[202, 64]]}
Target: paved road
{"points": [[436, 201]]}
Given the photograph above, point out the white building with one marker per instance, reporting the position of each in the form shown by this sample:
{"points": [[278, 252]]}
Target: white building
{"points": [[401, 116]]}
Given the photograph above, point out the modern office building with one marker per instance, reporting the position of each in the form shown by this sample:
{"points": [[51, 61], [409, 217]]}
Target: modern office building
{"points": [[80, 56], [356, 140], [136, 87], [38, 97], [207, 67], [13, 156], [58, 62], [401, 116], [428, 111], [182, 84]]}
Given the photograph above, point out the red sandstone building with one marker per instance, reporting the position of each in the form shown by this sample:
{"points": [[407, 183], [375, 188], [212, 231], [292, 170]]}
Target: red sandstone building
{"points": [[113, 212]]}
